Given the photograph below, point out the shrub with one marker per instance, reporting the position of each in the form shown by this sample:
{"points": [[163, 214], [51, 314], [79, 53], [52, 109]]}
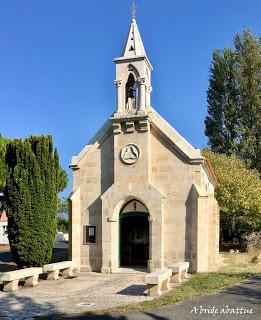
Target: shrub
{"points": [[30, 199], [238, 194], [252, 241]]}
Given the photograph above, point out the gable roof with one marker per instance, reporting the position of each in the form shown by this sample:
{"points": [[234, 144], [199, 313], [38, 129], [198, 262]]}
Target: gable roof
{"points": [[161, 125], [181, 145], [176, 139]]}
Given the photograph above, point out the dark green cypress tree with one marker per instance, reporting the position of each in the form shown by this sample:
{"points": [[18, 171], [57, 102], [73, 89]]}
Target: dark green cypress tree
{"points": [[3, 143], [31, 197]]}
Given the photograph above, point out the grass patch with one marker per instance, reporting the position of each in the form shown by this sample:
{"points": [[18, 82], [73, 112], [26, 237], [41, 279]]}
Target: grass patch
{"points": [[198, 284], [242, 262], [236, 268]]}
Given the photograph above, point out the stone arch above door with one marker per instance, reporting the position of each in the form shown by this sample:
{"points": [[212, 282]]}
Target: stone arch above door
{"points": [[134, 205], [112, 202], [117, 195]]}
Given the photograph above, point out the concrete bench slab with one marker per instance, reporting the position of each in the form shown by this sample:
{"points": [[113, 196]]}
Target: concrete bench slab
{"points": [[53, 269], [157, 281], [177, 269], [11, 279]]}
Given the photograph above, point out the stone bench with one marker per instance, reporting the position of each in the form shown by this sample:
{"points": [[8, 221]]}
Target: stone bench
{"points": [[11, 279], [158, 281], [177, 268], [53, 269]]}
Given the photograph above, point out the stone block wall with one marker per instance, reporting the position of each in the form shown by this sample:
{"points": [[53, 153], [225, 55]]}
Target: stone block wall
{"points": [[178, 194]]}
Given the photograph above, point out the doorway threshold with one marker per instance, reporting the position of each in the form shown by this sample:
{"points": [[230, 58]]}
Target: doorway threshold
{"points": [[132, 270]]}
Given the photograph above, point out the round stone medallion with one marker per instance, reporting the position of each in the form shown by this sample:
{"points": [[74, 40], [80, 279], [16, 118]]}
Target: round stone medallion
{"points": [[130, 153]]}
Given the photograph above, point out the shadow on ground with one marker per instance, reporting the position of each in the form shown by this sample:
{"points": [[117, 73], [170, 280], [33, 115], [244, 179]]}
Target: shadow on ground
{"points": [[149, 315], [134, 290], [244, 293], [21, 307], [83, 317], [6, 264], [59, 254]]}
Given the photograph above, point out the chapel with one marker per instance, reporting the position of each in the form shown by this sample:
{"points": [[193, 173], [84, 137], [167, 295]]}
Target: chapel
{"points": [[142, 195]]}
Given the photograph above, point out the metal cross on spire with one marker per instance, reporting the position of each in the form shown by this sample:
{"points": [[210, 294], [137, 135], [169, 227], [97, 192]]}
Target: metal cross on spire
{"points": [[133, 10]]}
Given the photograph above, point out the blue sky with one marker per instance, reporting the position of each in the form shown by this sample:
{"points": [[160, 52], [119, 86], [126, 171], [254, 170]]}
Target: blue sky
{"points": [[57, 70]]}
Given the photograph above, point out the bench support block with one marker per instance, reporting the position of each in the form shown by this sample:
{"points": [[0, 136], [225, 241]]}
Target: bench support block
{"points": [[175, 278], [53, 275], [10, 286], [154, 290], [32, 281], [165, 285], [68, 272], [179, 271]]}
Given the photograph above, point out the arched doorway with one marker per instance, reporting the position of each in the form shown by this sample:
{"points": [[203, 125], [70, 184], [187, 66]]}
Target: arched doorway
{"points": [[134, 234]]}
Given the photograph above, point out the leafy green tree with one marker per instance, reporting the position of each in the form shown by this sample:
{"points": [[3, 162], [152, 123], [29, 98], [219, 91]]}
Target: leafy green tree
{"points": [[62, 225], [3, 143], [233, 122], [238, 193], [221, 123], [63, 207], [248, 53], [30, 199], [63, 215], [63, 179]]}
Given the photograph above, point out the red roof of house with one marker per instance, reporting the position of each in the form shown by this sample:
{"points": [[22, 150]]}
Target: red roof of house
{"points": [[3, 217]]}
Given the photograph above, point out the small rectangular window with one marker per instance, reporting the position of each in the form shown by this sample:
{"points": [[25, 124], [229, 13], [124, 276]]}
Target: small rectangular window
{"points": [[89, 234]]}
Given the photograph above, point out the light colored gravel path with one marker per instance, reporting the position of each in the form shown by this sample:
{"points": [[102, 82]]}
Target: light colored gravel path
{"points": [[90, 291]]}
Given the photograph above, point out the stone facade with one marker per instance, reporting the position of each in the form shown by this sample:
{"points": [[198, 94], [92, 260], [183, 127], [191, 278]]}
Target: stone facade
{"points": [[138, 156]]}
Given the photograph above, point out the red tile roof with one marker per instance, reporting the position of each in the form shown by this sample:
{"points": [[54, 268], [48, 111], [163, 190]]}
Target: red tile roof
{"points": [[3, 217]]}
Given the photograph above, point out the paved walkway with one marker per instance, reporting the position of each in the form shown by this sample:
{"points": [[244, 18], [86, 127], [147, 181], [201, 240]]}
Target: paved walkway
{"points": [[92, 291], [89, 291], [239, 302]]}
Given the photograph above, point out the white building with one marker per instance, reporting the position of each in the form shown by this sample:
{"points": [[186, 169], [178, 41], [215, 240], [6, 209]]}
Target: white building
{"points": [[3, 228]]}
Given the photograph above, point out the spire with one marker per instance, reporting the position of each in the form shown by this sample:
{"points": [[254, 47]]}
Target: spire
{"points": [[134, 46], [133, 74]]}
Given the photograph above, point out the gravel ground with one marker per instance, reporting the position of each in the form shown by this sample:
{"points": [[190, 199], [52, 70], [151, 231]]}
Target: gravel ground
{"points": [[89, 291]]}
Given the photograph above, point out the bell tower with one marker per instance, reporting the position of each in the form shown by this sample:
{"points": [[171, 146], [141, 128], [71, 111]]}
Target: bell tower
{"points": [[133, 76]]}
